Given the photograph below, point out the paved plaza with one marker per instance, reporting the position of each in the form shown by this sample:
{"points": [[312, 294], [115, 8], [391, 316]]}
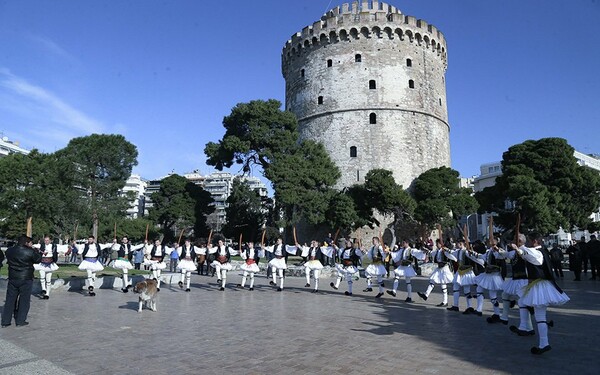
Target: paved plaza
{"points": [[293, 332]]}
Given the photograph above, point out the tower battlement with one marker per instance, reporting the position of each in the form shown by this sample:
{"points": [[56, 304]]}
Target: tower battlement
{"points": [[365, 20]]}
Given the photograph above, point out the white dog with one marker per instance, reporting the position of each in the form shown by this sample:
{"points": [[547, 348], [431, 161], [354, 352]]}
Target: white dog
{"points": [[147, 290]]}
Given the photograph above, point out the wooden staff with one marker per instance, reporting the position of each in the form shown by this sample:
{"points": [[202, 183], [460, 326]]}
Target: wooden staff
{"points": [[440, 234], [240, 243], [75, 232], [491, 231], [262, 240], [147, 227], [209, 237], [336, 235], [29, 230], [179, 240], [115, 229], [294, 231], [517, 228]]}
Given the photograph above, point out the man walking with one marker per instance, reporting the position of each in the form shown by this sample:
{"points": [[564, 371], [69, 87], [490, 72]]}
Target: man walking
{"points": [[20, 280]]}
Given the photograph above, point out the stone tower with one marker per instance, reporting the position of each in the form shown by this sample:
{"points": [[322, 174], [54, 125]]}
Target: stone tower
{"points": [[369, 83]]}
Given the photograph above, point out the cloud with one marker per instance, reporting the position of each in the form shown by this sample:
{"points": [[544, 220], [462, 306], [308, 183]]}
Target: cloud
{"points": [[44, 113], [48, 45]]}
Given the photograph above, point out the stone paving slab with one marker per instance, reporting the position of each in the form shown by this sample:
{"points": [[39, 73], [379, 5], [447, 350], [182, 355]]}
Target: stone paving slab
{"points": [[292, 332]]}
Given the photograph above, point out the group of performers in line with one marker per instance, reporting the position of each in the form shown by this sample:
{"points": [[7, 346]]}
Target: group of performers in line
{"points": [[518, 274]]}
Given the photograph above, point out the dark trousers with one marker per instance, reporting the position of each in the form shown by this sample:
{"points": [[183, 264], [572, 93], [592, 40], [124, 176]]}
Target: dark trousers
{"points": [[557, 268], [18, 299], [137, 266], [595, 266]]}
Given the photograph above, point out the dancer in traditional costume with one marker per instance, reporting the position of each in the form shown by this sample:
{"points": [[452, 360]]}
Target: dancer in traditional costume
{"points": [[90, 263], [403, 261], [250, 256], [123, 261], [348, 258], [312, 264], [221, 263], [442, 274], [514, 283], [156, 262], [187, 255], [464, 277], [48, 265], [279, 262], [490, 280], [542, 289], [376, 268]]}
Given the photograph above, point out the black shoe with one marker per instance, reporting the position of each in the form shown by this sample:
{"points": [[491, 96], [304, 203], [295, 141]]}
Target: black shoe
{"points": [[314, 291], [493, 319], [368, 290], [90, 288], [478, 313], [279, 289], [271, 283], [347, 293], [307, 285], [379, 295], [251, 289], [218, 281], [468, 311], [408, 299], [505, 322], [45, 296], [422, 295], [92, 294], [180, 284], [538, 351], [188, 290], [221, 289], [577, 280], [22, 324], [391, 293], [512, 304], [453, 308], [43, 293], [333, 286], [124, 290], [442, 304]]}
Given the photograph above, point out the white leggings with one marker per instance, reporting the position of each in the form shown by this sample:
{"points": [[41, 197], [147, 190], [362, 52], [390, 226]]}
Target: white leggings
{"points": [[315, 275], [45, 280]]}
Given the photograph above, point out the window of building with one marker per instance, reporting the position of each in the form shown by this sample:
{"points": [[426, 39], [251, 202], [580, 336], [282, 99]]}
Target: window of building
{"points": [[357, 175], [411, 84], [440, 101], [329, 63], [302, 73], [372, 84], [320, 100], [357, 57], [408, 62], [353, 151], [372, 118]]}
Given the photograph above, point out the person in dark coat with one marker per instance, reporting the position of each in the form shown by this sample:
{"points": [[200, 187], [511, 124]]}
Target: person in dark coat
{"points": [[575, 262], [20, 259], [556, 256], [593, 252]]}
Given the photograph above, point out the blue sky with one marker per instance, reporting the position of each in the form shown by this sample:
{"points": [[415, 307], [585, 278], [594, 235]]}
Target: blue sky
{"points": [[165, 73]]}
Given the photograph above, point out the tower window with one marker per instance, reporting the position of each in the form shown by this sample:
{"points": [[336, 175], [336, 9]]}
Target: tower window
{"points": [[357, 175], [372, 84], [411, 83], [408, 62], [357, 57], [440, 101], [320, 100], [372, 118], [302, 73], [353, 151], [329, 63]]}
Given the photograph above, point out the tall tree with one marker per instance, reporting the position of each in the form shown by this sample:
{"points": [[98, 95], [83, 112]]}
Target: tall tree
{"points": [[100, 166], [542, 181], [440, 199], [245, 212], [258, 133], [180, 205]]}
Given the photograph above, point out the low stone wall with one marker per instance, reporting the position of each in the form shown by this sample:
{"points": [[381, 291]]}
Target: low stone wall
{"points": [[115, 282]]}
